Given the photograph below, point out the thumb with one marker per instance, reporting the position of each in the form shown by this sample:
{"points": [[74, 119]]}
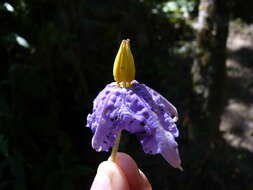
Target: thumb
{"points": [[109, 177]]}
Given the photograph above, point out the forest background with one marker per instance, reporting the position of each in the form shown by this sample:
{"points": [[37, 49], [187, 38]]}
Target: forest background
{"points": [[56, 55]]}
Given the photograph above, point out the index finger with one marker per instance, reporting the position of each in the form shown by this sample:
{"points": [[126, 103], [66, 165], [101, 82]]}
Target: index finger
{"points": [[136, 179]]}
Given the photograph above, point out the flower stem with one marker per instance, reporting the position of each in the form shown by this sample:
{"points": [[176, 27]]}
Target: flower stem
{"points": [[115, 148]]}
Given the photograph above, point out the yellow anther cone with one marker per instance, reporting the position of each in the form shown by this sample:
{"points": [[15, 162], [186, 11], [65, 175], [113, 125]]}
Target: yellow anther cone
{"points": [[123, 68]]}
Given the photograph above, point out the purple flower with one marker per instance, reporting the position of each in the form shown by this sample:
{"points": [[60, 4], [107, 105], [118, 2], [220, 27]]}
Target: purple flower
{"points": [[137, 109]]}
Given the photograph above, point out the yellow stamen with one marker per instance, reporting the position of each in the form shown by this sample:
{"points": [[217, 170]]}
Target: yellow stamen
{"points": [[123, 68], [124, 73]]}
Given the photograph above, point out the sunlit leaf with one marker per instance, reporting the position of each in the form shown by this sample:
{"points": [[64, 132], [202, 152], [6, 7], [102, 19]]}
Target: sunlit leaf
{"points": [[15, 38], [22, 41], [8, 7]]}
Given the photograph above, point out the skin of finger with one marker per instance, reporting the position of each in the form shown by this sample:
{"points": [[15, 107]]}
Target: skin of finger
{"points": [[136, 180], [109, 177], [144, 180]]}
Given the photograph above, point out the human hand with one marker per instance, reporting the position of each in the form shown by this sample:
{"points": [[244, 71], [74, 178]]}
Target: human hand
{"points": [[120, 175]]}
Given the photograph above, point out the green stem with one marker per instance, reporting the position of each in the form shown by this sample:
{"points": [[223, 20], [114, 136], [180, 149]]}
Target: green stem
{"points": [[115, 148]]}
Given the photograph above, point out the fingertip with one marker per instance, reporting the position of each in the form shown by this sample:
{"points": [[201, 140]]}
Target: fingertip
{"points": [[109, 176], [124, 160], [101, 182], [144, 180], [136, 180]]}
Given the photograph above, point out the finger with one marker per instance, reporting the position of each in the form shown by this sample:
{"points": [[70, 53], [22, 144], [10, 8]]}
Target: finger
{"points": [[144, 180], [109, 177], [135, 179]]}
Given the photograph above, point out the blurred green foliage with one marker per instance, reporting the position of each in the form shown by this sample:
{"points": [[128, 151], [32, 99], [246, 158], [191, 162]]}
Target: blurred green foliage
{"points": [[55, 58]]}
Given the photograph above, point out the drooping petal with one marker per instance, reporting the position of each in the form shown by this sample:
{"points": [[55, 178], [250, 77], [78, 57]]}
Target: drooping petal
{"points": [[158, 105], [154, 97], [169, 149], [162, 142], [104, 119], [139, 110]]}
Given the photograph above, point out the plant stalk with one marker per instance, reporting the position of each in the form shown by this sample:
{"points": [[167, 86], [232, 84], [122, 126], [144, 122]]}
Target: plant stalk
{"points": [[115, 148]]}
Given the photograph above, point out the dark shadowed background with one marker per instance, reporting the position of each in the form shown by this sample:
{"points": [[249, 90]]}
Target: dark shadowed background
{"points": [[57, 55]]}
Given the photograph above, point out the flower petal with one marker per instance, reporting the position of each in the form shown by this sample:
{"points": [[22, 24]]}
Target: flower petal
{"points": [[139, 110], [169, 150]]}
